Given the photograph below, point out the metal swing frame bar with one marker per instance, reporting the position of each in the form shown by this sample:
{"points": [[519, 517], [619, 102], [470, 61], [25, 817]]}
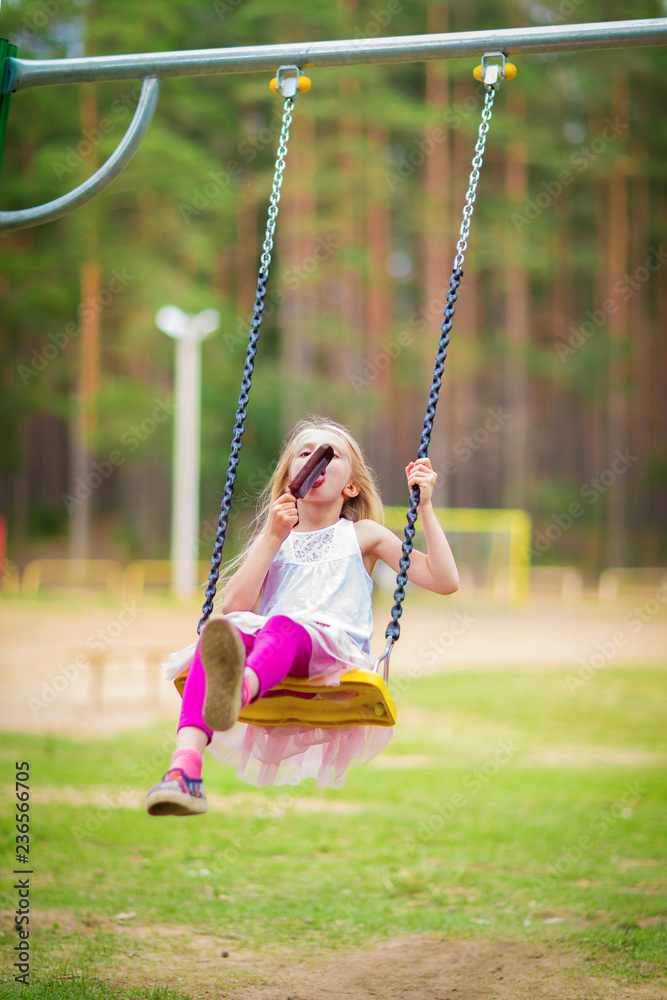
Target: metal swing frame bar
{"points": [[22, 74]]}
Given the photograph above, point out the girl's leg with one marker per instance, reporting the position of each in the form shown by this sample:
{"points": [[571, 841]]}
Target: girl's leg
{"points": [[281, 647], [193, 698], [193, 733], [181, 791]]}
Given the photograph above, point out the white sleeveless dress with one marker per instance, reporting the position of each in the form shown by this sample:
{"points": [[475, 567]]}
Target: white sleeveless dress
{"points": [[318, 579]]}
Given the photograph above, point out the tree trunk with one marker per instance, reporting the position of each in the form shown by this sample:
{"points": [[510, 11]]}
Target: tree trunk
{"points": [[437, 254], [247, 251], [296, 229], [517, 319], [389, 410], [348, 289], [85, 403], [555, 403], [598, 451], [658, 407], [644, 405], [617, 414], [464, 475]]}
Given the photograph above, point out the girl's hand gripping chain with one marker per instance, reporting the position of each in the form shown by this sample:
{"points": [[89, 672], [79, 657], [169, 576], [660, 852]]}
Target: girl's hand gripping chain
{"points": [[421, 474]]}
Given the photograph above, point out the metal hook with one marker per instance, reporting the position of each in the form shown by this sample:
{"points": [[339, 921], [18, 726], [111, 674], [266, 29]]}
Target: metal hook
{"points": [[287, 81], [384, 656], [493, 73]]}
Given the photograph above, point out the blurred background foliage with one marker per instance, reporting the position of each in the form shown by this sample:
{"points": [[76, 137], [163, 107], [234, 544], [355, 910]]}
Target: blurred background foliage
{"points": [[555, 363]]}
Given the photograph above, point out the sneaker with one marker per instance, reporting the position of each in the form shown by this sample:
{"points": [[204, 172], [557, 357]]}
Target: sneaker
{"points": [[177, 795], [223, 656]]}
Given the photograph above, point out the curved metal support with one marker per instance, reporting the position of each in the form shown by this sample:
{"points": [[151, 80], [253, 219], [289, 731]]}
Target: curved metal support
{"points": [[26, 217]]}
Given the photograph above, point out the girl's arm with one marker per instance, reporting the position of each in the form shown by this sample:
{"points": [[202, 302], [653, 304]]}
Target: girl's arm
{"points": [[436, 570], [242, 589]]}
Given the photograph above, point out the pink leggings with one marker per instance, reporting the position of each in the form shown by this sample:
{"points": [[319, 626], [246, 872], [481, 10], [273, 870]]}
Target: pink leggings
{"points": [[280, 648]]}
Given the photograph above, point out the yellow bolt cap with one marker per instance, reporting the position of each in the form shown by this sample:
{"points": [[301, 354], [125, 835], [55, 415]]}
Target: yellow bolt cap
{"points": [[510, 72]]}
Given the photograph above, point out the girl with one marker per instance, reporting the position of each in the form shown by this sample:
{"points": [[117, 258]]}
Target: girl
{"points": [[307, 574]]}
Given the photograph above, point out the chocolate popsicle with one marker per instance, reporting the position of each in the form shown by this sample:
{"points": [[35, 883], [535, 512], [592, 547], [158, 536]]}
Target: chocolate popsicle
{"points": [[311, 471]]}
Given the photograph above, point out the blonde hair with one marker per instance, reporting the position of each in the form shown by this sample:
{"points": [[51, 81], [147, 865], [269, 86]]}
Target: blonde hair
{"points": [[367, 503]]}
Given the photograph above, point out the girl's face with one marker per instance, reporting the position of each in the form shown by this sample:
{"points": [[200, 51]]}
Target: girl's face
{"points": [[336, 480]]}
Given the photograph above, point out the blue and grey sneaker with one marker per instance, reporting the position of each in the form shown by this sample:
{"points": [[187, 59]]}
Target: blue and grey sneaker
{"points": [[177, 795]]}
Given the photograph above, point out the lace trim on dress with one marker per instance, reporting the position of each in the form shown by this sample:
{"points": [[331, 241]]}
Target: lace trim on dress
{"points": [[312, 546]]}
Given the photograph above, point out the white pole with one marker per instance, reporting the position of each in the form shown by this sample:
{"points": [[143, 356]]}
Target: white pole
{"points": [[188, 331], [185, 487]]}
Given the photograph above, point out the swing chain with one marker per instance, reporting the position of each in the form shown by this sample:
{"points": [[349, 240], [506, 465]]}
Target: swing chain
{"points": [[471, 193], [277, 184], [393, 630], [253, 339]]}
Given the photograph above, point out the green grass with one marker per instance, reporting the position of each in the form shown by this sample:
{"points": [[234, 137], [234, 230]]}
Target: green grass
{"points": [[504, 801], [84, 988]]}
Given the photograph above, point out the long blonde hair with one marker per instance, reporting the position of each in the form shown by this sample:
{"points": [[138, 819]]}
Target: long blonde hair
{"points": [[367, 503]]}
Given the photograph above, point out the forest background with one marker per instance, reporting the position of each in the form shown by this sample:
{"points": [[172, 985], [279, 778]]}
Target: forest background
{"points": [[554, 391]]}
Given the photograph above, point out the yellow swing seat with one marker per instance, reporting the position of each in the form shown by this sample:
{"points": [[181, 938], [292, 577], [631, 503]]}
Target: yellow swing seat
{"points": [[360, 698]]}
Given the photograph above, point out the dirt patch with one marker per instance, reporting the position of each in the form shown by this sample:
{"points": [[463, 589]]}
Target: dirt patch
{"points": [[409, 967], [420, 968]]}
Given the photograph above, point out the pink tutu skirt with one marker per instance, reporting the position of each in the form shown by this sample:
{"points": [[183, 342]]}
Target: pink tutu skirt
{"points": [[285, 755]]}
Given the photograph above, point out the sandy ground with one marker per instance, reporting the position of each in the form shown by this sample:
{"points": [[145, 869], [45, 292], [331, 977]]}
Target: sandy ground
{"points": [[413, 967], [94, 668]]}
